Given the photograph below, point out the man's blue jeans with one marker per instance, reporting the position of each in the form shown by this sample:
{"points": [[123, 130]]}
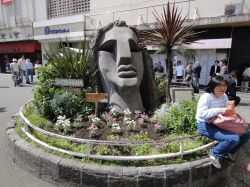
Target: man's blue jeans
{"points": [[228, 142]]}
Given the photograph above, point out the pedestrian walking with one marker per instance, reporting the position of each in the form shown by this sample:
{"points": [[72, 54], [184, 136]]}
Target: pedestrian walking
{"points": [[223, 67], [197, 74], [179, 71], [22, 65], [245, 79], [215, 69], [36, 67], [29, 71], [15, 71]]}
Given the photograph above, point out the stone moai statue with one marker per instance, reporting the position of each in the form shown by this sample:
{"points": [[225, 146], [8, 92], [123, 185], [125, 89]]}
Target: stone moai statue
{"points": [[125, 70]]}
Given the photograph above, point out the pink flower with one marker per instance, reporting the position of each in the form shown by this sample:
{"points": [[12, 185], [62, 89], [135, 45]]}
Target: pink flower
{"points": [[92, 128], [91, 116], [140, 121], [144, 116], [138, 112], [157, 126], [108, 117], [159, 147]]}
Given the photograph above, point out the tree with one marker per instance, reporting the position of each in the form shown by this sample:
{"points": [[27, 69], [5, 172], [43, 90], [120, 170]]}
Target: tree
{"points": [[168, 33]]}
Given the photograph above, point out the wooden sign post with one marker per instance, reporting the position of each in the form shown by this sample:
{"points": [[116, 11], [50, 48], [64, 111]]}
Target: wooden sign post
{"points": [[97, 98]]}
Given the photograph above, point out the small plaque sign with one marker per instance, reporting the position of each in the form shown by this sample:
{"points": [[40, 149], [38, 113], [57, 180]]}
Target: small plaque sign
{"points": [[97, 97], [77, 83]]}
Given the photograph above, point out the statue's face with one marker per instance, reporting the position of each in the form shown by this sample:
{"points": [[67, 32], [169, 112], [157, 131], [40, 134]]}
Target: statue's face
{"points": [[120, 58]]}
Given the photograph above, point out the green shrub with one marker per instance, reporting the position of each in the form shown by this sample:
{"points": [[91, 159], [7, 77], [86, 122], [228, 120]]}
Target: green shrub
{"points": [[44, 92], [52, 101], [70, 64], [181, 118], [69, 104], [161, 86]]}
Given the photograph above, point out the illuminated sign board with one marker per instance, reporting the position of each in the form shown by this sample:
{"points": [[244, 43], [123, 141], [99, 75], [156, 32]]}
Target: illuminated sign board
{"points": [[47, 30], [6, 2]]}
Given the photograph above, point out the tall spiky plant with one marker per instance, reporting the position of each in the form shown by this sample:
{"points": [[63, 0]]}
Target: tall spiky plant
{"points": [[71, 64], [169, 32]]}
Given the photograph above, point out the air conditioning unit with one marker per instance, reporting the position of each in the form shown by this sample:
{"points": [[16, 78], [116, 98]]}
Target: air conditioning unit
{"points": [[233, 9]]}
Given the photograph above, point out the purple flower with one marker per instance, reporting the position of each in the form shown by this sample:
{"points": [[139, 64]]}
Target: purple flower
{"points": [[157, 127], [92, 128], [159, 147], [91, 116]]}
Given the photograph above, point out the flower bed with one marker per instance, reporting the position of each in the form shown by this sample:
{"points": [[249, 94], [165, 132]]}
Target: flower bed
{"points": [[114, 127]]}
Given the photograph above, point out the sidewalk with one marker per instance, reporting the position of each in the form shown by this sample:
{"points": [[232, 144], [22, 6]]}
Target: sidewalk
{"points": [[244, 106]]}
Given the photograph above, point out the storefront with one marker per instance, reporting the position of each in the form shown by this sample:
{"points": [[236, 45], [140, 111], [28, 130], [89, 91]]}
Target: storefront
{"points": [[49, 33], [9, 50]]}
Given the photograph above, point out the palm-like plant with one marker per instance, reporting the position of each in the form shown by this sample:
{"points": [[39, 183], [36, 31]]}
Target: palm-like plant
{"points": [[169, 32], [71, 64]]}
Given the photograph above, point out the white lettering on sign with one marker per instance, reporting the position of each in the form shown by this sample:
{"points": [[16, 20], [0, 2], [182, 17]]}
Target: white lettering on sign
{"points": [[69, 82]]}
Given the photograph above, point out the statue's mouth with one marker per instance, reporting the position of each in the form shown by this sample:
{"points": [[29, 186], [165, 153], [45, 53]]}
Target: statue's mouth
{"points": [[127, 71]]}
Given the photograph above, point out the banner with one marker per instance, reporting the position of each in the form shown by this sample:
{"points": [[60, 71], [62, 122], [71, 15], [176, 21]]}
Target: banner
{"points": [[6, 2]]}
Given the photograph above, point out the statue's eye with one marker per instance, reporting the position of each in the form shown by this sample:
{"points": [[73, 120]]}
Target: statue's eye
{"points": [[108, 46], [133, 46]]}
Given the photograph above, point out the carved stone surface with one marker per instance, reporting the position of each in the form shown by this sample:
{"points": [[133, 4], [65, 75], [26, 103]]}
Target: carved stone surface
{"points": [[125, 71]]}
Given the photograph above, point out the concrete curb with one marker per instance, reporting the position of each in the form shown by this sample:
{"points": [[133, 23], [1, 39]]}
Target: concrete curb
{"points": [[67, 172]]}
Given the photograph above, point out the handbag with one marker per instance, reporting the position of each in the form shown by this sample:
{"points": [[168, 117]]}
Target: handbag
{"points": [[233, 123]]}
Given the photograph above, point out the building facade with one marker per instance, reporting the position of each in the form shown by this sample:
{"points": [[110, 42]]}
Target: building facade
{"points": [[16, 31], [226, 25]]}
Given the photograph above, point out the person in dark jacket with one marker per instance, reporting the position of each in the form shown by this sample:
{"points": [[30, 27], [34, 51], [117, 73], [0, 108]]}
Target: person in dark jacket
{"points": [[197, 74], [215, 68], [231, 89]]}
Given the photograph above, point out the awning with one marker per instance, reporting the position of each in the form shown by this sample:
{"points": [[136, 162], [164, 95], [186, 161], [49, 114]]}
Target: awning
{"points": [[6, 2], [20, 47], [224, 43]]}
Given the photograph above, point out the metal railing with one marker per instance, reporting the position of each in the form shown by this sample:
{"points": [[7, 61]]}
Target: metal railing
{"points": [[90, 142]]}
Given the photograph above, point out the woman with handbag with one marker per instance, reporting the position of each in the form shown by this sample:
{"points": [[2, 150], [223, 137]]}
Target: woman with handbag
{"points": [[211, 104]]}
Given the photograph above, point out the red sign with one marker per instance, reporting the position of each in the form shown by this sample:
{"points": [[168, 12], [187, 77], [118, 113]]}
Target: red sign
{"points": [[6, 2], [20, 47]]}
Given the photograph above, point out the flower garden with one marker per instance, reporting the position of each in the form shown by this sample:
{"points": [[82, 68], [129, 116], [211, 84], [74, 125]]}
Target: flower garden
{"points": [[66, 112], [62, 117]]}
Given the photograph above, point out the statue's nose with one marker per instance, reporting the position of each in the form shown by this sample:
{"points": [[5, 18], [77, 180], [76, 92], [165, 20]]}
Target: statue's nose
{"points": [[123, 53]]}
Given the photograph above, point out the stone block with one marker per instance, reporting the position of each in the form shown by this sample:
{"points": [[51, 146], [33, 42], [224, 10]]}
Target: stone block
{"points": [[94, 174], [70, 171], [200, 170], [49, 165]]}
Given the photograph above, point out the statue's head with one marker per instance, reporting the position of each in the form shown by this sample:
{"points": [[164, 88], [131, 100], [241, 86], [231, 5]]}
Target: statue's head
{"points": [[119, 56], [120, 62]]}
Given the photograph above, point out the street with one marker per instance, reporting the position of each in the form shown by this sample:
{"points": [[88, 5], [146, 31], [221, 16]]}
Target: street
{"points": [[11, 99]]}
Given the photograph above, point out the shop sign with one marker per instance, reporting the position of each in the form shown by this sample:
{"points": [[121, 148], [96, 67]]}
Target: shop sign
{"points": [[14, 50], [47, 30], [6, 2]]}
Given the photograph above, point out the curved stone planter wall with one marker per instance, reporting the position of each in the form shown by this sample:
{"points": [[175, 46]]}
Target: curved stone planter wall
{"points": [[67, 172]]}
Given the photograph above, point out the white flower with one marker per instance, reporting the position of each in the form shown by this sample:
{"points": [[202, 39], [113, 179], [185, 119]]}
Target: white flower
{"points": [[116, 127], [127, 112], [63, 124], [114, 112], [96, 121]]}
